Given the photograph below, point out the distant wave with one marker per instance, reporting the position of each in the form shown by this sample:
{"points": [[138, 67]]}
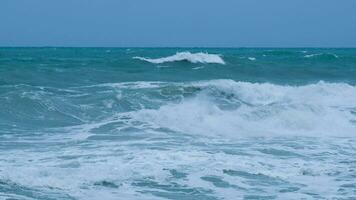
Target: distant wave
{"points": [[321, 54], [312, 55], [186, 56]]}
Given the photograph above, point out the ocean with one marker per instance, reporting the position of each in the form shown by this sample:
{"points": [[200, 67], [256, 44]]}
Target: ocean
{"points": [[177, 123]]}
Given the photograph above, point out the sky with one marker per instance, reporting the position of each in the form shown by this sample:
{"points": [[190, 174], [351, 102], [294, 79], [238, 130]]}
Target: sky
{"points": [[178, 23]]}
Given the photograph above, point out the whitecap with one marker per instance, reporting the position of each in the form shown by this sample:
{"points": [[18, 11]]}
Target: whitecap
{"points": [[320, 54], [312, 55], [186, 56], [196, 68]]}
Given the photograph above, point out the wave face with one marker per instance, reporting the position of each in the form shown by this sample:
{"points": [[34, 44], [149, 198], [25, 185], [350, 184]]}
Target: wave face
{"points": [[96, 124], [186, 56]]}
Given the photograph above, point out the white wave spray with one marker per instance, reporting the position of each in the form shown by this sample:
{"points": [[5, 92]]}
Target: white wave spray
{"points": [[186, 56], [229, 108]]}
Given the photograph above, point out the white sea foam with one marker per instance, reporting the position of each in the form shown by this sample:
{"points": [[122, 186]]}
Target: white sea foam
{"points": [[148, 161], [251, 58], [264, 109], [186, 56]]}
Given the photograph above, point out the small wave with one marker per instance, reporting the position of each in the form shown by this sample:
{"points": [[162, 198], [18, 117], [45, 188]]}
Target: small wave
{"points": [[312, 55], [162, 66], [251, 58], [127, 85], [186, 56], [320, 54], [196, 68]]}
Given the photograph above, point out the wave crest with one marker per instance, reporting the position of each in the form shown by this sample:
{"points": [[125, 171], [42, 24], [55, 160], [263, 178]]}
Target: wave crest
{"points": [[223, 108], [226, 107], [186, 56]]}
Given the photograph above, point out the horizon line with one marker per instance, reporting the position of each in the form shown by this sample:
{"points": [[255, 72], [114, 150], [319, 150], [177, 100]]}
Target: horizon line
{"points": [[182, 47]]}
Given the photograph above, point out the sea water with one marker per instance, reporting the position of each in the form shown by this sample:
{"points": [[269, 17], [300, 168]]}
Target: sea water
{"points": [[168, 123]]}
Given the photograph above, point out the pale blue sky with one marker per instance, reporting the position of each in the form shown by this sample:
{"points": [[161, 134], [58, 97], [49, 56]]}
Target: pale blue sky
{"points": [[182, 23]]}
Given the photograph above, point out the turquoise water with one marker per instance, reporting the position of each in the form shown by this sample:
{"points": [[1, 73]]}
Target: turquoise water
{"points": [[134, 123]]}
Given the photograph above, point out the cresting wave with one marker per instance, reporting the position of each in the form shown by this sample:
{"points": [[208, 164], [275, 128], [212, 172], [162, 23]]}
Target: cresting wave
{"points": [[234, 109], [186, 56], [222, 108]]}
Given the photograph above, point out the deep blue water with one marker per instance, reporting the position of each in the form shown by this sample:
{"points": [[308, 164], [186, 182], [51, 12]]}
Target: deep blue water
{"points": [[135, 123]]}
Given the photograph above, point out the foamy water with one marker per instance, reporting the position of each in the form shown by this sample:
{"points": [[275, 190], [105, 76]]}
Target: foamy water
{"points": [[106, 126]]}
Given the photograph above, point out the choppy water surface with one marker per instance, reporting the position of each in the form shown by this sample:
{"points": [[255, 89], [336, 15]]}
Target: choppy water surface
{"points": [[100, 123]]}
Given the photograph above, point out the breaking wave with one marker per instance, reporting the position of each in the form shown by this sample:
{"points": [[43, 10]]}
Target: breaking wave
{"points": [[186, 56], [229, 108]]}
